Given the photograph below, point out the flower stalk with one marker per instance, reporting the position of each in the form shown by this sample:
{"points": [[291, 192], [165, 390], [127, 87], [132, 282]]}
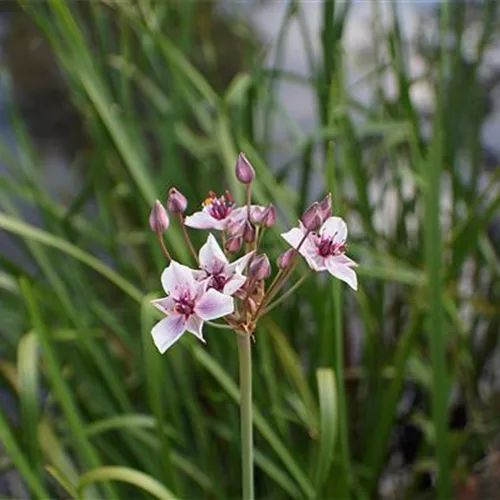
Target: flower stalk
{"points": [[233, 287], [188, 239], [246, 415], [287, 294], [164, 247]]}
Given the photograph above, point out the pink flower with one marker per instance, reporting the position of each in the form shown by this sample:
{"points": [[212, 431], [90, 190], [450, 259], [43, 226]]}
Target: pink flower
{"points": [[187, 306], [325, 250], [217, 213], [217, 272]]}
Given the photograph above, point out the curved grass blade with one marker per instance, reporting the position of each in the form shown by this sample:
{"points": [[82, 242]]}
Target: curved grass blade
{"points": [[28, 378], [30, 232], [327, 392], [126, 475], [133, 421]]}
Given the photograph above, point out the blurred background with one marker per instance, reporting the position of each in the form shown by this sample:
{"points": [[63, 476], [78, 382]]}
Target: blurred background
{"points": [[394, 107]]}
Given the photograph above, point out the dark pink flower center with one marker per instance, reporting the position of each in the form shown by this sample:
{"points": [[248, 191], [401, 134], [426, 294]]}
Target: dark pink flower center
{"points": [[218, 278], [327, 247], [185, 304], [218, 281], [219, 208]]}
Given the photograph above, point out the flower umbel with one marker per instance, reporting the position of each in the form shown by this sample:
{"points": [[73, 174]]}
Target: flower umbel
{"points": [[225, 277], [188, 305]]}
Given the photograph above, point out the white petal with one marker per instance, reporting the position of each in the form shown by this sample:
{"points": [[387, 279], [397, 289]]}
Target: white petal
{"points": [[334, 227], [202, 220], [234, 284], [213, 304], [199, 275], [177, 277], [211, 254], [307, 248], [294, 237], [168, 331], [239, 265], [345, 260], [316, 262], [195, 326], [165, 304], [201, 288], [342, 272]]}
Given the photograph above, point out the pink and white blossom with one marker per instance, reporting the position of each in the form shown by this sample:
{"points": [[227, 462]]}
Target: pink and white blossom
{"points": [[325, 249], [188, 305], [217, 213], [217, 272]]}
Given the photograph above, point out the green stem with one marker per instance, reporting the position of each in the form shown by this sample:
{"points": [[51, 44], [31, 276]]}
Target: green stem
{"points": [[245, 359], [188, 239], [287, 294]]}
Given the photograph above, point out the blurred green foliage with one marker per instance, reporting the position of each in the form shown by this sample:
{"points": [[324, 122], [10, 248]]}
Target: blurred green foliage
{"points": [[169, 93]]}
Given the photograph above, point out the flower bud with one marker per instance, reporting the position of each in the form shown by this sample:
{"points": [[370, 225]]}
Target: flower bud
{"points": [[286, 259], [260, 267], [313, 217], [158, 220], [234, 244], [245, 173], [268, 218], [252, 306], [249, 232], [256, 212], [326, 206], [236, 227], [177, 202]]}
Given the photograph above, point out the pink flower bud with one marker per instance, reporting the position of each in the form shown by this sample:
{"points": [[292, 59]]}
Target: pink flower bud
{"points": [[252, 306], [326, 206], [285, 260], [268, 218], [249, 232], [234, 244], [313, 217], [177, 202], [158, 220], [236, 227], [245, 173], [260, 267]]}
